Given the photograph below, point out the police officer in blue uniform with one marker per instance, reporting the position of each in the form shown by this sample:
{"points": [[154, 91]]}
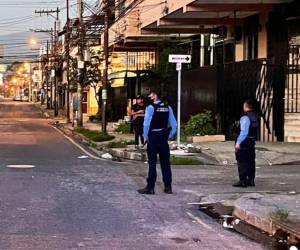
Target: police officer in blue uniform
{"points": [[245, 146], [159, 126]]}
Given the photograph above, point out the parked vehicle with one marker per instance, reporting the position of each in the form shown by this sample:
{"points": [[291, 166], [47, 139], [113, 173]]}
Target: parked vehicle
{"points": [[17, 98], [25, 99]]}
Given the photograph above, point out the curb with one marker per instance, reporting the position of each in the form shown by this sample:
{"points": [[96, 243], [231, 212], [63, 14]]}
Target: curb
{"points": [[121, 153], [259, 161], [100, 149], [268, 225], [263, 224]]}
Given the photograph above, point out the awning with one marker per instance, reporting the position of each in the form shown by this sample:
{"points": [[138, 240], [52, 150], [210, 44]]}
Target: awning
{"points": [[205, 16], [118, 79]]}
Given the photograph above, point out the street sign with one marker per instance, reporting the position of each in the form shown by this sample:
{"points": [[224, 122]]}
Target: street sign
{"points": [[104, 94], [80, 64], [178, 66], [180, 58]]}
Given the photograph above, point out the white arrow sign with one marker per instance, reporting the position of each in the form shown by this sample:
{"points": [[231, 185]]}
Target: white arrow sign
{"points": [[180, 58]]}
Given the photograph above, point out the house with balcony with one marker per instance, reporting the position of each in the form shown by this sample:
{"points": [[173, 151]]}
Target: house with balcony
{"points": [[240, 49]]}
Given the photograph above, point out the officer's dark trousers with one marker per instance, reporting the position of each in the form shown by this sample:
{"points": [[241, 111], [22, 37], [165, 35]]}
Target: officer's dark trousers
{"points": [[158, 145], [246, 160]]}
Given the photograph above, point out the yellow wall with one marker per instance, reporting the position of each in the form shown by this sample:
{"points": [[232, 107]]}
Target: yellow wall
{"points": [[92, 103]]}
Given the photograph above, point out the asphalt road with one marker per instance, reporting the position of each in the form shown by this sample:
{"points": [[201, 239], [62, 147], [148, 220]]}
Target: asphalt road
{"points": [[65, 202]]}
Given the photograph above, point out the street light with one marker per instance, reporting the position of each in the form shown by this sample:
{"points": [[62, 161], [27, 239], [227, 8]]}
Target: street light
{"points": [[33, 41]]}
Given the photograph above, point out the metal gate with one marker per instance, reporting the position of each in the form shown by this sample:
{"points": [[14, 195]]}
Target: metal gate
{"points": [[258, 80], [292, 90]]}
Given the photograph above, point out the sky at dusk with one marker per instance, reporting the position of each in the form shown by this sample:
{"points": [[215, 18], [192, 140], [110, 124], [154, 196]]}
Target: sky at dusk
{"points": [[18, 17]]}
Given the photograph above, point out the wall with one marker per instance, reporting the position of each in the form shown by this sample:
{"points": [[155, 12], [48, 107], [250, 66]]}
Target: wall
{"points": [[92, 103], [143, 14], [199, 91], [262, 36]]}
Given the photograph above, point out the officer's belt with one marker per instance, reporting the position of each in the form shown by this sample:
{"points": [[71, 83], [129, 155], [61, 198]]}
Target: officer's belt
{"points": [[158, 129]]}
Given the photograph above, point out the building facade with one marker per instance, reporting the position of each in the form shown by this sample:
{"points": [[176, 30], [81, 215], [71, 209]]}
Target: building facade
{"points": [[240, 49]]}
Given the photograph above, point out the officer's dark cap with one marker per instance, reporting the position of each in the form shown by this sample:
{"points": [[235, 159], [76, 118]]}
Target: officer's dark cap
{"points": [[155, 91], [250, 103], [139, 97]]}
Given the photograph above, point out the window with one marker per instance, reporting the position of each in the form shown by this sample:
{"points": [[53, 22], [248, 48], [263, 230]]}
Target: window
{"points": [[251, 37]]}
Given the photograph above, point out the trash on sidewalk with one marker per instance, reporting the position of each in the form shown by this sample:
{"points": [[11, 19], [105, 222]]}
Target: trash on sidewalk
{"points": [[229, 221], [193, 149], [107, 156]]}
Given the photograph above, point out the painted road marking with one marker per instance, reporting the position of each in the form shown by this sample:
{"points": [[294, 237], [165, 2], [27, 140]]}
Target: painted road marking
{"points": [[21, 166], [77, 145]]}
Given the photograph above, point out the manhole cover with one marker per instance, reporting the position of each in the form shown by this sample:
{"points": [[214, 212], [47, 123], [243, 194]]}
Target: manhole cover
{"points": [[21, 166]]}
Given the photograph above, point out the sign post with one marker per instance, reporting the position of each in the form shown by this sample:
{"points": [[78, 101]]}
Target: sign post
{"points": [[179, 60]]}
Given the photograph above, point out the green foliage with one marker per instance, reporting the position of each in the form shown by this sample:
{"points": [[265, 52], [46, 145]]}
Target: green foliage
{"points": [[73, 77], [94, 136], [164, 69], [92, 118], [96, 118], [123, 128], [200, 124], [280, 214], [91, 75], [185, 161], [119, 144]]}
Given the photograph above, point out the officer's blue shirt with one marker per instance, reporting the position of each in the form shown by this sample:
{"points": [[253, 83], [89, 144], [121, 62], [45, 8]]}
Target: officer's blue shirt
{"points": [[245, 125], [148, 118]]}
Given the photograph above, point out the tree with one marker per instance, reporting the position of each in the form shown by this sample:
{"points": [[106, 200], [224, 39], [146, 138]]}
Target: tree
{"points": [[167, 73], [73, 78], [93, 79]]}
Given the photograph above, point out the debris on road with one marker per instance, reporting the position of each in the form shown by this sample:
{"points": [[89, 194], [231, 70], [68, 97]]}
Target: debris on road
{"points": [[83, 157], [107, 156]]}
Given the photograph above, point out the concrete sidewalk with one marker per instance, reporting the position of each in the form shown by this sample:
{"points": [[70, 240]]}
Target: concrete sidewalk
{"points": [[266, 153]]}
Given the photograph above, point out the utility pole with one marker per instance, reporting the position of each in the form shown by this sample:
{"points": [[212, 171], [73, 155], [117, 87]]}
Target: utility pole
{"points": [[49, 31], [68, 59], [47, 77], [56, 31], [105, 72], [54, 39], [80, 63]]}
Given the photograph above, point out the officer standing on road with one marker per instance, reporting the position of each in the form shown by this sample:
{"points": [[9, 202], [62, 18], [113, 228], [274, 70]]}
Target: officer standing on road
{"points": [[245, 146], [159, 126]]}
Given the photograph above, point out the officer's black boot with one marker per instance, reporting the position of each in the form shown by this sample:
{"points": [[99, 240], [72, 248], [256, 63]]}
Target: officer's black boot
{"points": [[146, 190], [250, 183], [240, 184], [168, 190]]}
